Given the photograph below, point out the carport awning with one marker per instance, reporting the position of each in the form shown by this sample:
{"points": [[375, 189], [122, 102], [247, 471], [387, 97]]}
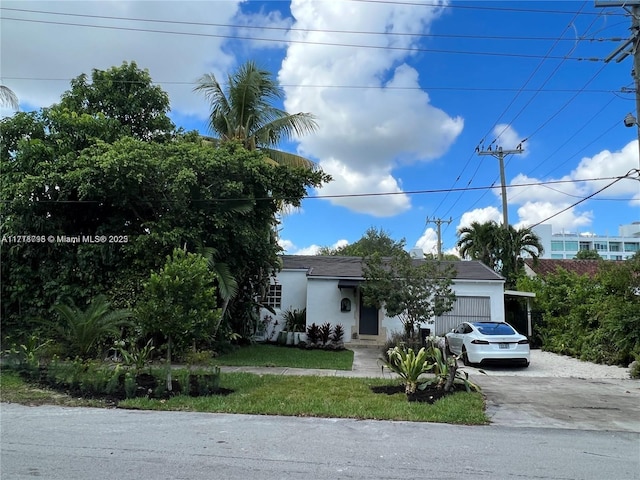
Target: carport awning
{"points": [[349, 284]]}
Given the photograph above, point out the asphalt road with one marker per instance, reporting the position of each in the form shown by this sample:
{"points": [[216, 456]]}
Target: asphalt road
{"points": [[60, 443]]}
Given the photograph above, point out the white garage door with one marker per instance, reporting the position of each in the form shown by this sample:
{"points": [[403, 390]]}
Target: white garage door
{"points": [[465, 309]]}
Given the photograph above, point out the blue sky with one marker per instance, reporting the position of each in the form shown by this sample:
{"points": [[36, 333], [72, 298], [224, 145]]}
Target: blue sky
{"points": [[403, 91]]}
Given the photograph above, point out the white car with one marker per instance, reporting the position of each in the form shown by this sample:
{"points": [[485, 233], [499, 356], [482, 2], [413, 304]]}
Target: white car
{"points": [[477, 342]]}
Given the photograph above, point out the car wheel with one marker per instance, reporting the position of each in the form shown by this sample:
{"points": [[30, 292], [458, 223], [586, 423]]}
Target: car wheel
{"points": [[526, 364], [465, 359]]}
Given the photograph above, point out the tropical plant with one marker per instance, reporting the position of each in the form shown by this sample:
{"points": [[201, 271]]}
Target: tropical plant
{"points": [[295, 320], [479, 241], [499, 248], [313, 334], [409, 365], [243, 111], [26, 356], [325, 333], [513, 243], [134, 356], [446, 372], [338, 334], [83, 330]]}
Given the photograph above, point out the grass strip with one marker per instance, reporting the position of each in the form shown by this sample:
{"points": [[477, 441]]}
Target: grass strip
{"points": [[262, 355], [335, 397]]}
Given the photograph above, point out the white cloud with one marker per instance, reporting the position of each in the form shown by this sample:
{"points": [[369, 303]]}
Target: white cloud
{"points": [[364, 133], [290, 248], [532, 213], [508, 138], [39, 59], [480, 215], [428, 241], [539, 202]]}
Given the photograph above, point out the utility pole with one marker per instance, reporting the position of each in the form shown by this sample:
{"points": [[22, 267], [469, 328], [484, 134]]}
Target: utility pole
{"points": [[499, 153], [439, 222], [631, 46]]}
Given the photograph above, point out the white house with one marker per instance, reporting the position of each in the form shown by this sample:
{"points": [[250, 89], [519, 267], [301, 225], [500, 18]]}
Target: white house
{"points": [[328, 287]]}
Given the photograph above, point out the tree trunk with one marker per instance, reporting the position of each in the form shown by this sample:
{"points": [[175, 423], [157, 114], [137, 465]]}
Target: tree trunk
{"points": [[169, 379], [453, 367]]}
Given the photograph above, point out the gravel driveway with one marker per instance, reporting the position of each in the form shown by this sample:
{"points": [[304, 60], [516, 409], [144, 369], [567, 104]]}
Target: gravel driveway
{"points": [[546, 364]]}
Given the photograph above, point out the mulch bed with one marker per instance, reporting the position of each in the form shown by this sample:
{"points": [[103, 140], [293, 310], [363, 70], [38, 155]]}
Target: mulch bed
{"points": [[428, 395]]}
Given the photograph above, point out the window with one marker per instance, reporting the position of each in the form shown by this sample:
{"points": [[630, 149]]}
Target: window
{"points": [[585, 245], [274, 296], [557, 246], [600, 246], [614, 247], [557, 256], [571, 246], [630, 246]]}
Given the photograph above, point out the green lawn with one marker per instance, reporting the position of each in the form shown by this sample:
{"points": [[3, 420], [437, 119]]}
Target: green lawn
{"points": [[321, 397], [260, 355], [282, 394]]}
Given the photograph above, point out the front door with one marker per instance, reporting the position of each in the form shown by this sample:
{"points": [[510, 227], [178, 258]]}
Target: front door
{"points": [[368, 320]]}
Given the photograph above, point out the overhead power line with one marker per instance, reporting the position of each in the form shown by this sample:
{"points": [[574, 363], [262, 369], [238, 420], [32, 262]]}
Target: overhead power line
{"points": [[304, 42], [307, 30], [355, 195]]}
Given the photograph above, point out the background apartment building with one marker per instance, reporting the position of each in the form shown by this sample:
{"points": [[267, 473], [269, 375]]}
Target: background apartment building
{"points": [[568, 244]]}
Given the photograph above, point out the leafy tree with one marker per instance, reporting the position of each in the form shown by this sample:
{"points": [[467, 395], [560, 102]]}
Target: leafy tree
{"points": [[588, 255], [179, 303], [68, 174], [82, 331], [373, 241], [125, 94], [244, 112], [413, 290]]}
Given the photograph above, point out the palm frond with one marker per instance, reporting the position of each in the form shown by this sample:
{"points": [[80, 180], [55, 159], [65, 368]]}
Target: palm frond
{"points": [[289, 159], [8, 97]]}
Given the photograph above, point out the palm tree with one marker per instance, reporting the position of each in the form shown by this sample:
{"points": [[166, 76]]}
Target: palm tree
{"points": [[244, 112], [480, 241], [513, 244], [8, 97]]}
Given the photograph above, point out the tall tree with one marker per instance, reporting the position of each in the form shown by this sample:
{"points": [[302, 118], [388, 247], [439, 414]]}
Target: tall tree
{"points": [[413, 290], [125, 94], [373, 241], [244, 111], [480, 241], [513, 244], [499, 248]]}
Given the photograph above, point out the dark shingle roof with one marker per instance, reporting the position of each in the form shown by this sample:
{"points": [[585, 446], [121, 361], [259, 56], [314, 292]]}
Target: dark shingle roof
{"points": [[336, 266], [545, 266]]}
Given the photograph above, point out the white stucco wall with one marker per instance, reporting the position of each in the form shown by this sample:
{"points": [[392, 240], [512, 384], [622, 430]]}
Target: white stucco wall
{"points": [[322, 299], [323, 304]]}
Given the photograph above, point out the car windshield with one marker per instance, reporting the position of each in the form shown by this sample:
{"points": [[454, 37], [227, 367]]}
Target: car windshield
{"points": [[494, 328]]}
